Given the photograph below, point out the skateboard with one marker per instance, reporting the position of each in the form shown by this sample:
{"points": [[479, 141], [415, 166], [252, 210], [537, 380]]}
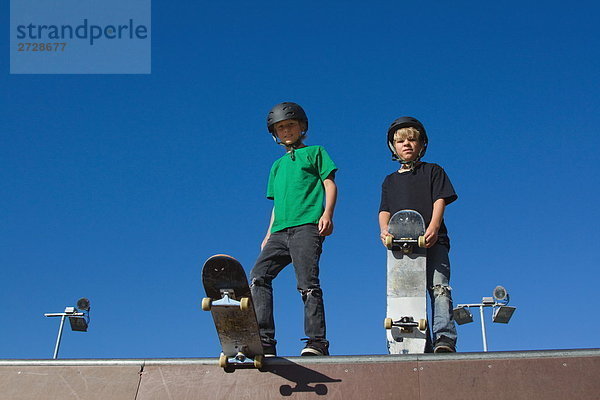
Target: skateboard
{"points": [[406, 316], [230, 303]]}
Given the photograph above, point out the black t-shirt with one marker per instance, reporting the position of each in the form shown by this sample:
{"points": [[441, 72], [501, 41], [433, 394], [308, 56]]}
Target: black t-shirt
{"points": [[418, 190]]}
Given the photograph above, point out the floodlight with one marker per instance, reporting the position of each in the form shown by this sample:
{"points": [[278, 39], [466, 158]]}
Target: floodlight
{"points": [[503, 314], [78, 324], [78, 318], [83, 304], [500, 294], [462, 315]]}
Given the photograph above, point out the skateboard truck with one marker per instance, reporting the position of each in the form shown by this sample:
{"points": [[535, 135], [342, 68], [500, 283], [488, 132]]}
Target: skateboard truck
{"points": [[225, 301], [240, 360], [406, 324], [405, 244]]}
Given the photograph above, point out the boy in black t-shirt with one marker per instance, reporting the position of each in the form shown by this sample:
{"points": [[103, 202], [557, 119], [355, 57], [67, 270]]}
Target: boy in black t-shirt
{"points": [[426, 188]]}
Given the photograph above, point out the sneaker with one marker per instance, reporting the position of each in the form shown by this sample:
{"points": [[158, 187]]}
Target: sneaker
{"points": [[269, 350], [444, 345], [315, 347]]}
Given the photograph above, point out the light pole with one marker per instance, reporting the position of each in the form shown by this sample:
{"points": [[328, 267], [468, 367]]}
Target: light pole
{"points": [[501, 311], [79, 318]]}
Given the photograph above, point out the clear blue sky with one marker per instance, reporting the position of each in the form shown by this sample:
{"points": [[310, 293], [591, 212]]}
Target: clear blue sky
{"points": [[118, 187]]}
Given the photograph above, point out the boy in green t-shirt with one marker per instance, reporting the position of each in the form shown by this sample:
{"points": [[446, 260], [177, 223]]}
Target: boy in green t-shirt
{"points": [[301, 183]]}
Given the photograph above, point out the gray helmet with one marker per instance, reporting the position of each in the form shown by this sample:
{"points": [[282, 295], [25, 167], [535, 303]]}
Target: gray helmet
{"points": [[283, 111], [404, 122]]}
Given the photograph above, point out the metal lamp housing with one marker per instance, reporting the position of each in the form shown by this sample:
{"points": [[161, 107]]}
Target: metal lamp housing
{"points": [[462, 315], [500, 293], [503, 314], [83, 304], [78, 324]]}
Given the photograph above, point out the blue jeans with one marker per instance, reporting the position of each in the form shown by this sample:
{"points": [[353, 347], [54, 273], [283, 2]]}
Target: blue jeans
{"points": [[438, 279], [302, 246]]}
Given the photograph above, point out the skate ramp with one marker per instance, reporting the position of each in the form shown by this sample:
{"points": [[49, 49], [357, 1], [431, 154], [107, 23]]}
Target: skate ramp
{"points": [[504, 375]]}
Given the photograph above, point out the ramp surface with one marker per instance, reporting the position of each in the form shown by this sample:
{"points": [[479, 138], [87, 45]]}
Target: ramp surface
{"points": [[505, 375], [29, 382]]}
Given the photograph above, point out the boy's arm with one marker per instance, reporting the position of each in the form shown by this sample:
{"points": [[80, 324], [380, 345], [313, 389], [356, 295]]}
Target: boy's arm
{"points": [[384, 220], [268, 235], [326, 220], [431, 234]]}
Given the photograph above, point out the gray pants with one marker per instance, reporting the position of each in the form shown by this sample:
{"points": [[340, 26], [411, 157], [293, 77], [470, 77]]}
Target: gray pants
{"points": [[438, 279], [301, 246]]}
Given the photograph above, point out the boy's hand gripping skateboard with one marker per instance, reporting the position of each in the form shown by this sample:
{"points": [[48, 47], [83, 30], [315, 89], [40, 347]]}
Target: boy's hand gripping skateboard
{"points": [[230, 302], [406, 317]]}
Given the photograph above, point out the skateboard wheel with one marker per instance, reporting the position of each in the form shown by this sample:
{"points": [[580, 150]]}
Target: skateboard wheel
{"points": [[244, 303], [258, 361], [223, 361], [388, 241], [422, 324], [206, 303], [387, 323], [422, 241]]}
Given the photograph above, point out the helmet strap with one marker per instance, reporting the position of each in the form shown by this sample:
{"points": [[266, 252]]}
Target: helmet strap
{"points": [[410, 164]]}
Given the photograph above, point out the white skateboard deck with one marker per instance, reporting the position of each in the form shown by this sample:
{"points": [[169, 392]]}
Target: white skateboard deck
{"points": [[406, 285]]}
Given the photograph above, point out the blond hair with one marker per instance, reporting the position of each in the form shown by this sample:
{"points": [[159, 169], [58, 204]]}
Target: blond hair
{"points": [[407, 133]]}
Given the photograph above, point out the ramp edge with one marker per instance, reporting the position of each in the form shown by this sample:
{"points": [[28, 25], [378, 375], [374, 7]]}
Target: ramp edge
{"points": [[503, 355]]}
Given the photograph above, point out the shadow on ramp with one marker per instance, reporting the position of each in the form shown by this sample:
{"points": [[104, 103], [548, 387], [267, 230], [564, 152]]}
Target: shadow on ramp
{"points": [[301, 376]]}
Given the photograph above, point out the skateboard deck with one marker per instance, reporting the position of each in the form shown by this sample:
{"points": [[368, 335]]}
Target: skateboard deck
{"points": [[230, 303], [406, 316]]}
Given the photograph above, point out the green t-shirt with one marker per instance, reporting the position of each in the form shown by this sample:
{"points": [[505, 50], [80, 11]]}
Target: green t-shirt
{"points": [[297, 188]]}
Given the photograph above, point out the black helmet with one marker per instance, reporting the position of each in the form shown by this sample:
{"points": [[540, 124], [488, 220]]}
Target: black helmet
{"points": [[404, 122], [283, 111]]}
